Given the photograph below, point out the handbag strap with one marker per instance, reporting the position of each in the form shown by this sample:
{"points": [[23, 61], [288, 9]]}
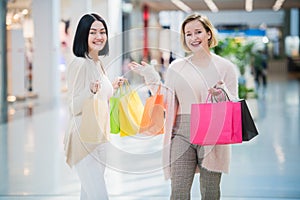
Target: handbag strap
{"points": [[158, 89], [127, 86], [209, 95], [189, 60], [202, 76]]}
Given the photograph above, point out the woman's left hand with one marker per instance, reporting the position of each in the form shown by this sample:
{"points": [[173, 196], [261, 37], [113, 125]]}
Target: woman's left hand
{"points": [[136, 67], [118, 82], [214, 91]]}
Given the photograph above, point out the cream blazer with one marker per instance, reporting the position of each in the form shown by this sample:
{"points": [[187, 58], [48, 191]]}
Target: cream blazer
{"points": [[81, 71]]}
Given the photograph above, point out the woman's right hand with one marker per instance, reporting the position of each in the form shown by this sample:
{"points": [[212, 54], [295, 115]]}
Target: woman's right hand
{"points": [[95, 86]]}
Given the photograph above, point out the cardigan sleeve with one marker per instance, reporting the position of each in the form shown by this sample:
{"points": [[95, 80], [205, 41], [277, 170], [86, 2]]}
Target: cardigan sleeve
{"points": [[78, 87], [151, 77], [171, 111]]}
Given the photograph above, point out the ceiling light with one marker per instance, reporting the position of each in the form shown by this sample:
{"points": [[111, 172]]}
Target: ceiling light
{"points": [[278, 5], [212, 6], [249, 5], [25, 11], [182, 6], [16, 16], [8, 22]]}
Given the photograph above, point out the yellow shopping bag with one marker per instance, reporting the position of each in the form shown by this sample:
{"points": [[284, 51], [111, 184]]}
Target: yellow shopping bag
{"points": [[131, 111]]}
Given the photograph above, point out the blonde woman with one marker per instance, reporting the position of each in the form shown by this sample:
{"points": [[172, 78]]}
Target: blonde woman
{"points": [[189, 80]]}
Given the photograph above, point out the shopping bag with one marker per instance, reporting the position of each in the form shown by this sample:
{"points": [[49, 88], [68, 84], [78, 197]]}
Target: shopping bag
{"points": [[114, 103], [152, 122], [216, 123], [131, 111], [94, 123], [249, 129]]}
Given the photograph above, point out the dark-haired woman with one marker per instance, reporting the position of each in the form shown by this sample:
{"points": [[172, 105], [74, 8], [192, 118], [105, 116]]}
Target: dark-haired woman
{"points": [[87, 78]]}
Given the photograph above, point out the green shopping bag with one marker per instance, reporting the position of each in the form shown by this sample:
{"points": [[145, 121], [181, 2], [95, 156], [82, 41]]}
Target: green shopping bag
{"points": [[114, 103]]}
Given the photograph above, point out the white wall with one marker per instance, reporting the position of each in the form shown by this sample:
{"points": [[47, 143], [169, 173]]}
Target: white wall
{"points": [[16, 63], [252, 19], [46, 75]]}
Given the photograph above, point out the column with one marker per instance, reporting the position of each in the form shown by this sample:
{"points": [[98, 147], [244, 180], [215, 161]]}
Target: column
{"points": [[295, 28], [15, 67], [77, 9], [46, 74], [294, 18], [3, 63], [111, 11]]}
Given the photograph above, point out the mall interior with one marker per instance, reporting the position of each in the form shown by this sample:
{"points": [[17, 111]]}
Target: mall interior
{"points": [[36, 41]]}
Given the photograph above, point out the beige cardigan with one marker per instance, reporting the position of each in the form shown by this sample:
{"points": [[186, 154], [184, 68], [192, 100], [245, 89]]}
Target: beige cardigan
{"points": [[186, 84], [81, 71]]}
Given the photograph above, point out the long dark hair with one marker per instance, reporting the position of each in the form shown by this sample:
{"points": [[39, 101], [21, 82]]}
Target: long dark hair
{"points": [[80, 43]]}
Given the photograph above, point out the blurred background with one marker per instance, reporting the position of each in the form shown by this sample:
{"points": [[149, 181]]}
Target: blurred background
{"points": [[37, 36], [260, 36]]}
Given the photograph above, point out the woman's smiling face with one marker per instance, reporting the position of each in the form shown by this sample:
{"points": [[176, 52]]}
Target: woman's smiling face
{"points": [[196, 37], [97, 37]]}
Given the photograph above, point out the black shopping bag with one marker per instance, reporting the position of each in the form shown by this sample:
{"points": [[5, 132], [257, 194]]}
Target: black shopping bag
{"points": [[249, 129]]}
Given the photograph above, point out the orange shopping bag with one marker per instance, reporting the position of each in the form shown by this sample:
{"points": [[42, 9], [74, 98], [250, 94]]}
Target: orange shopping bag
{"points": [[152, 122]]}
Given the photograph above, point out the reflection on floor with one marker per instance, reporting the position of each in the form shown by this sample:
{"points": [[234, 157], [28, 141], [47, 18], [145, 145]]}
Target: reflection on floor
{"points": [[32, 164]]}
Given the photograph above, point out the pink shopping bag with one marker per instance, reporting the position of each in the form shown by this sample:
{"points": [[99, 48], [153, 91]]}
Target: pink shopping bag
{"points": [[216, 123]]}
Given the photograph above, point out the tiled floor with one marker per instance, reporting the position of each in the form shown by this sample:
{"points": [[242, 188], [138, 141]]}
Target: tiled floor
{"points": [[32, 164]]}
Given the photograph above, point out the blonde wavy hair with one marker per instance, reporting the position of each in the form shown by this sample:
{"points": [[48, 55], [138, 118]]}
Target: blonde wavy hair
{"points": [[212, 42]]}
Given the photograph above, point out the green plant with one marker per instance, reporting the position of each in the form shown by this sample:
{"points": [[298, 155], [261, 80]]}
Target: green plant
{"points": [[240, 53], [236, 50], [245, 93]]}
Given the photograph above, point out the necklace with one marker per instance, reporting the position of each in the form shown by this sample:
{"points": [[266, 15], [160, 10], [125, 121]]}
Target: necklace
{"points": [[102, 68], [98, 62]]}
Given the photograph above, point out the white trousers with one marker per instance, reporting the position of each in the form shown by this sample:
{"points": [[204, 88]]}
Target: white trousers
{"points": [[91, 174]]}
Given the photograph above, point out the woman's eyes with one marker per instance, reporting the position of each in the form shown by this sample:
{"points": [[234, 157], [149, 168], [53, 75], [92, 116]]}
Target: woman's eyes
{"points": [[189, 34], [95, 32]]}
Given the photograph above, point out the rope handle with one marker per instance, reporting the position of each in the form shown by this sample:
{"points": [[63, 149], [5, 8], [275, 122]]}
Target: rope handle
{"points": [[213, 97]]}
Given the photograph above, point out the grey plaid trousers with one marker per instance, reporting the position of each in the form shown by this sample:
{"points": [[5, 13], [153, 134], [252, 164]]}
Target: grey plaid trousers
{"points": [[184, 159]]}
